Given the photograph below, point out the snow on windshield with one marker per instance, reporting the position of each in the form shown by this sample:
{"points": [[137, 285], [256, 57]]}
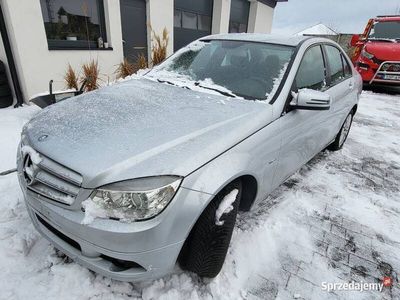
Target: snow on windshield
{"points": [[233, 68]]}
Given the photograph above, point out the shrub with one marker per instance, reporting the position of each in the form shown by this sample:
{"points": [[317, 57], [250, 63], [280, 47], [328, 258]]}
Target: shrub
{"points": [[125, 68], [71, 79], [141, 62], [90, 75], [159, 47]]}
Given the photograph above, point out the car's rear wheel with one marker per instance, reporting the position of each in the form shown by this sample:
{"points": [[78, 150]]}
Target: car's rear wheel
{"points": [[205, 249], [343, 134]]}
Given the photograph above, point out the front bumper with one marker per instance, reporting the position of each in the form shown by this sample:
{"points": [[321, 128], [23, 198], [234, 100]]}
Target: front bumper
{"points": [[384, 73], [122, 251], [122, 266]]}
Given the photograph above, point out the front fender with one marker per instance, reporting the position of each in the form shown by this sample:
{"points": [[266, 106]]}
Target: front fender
{"points": [[214, 176], [256, 156]]}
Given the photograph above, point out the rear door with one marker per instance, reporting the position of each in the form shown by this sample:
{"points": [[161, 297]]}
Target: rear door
{"points": [[341, 87]]}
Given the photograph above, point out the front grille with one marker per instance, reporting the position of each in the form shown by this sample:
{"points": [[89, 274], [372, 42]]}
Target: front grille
{"points": [[51, 180], [391, 67]]}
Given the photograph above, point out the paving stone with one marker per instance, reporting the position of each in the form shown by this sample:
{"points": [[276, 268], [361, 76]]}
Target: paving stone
{"points": [[351, 225], [338, 230], [261, 288], [368, 268], [290, 265], [300, 287], [337, 255]]}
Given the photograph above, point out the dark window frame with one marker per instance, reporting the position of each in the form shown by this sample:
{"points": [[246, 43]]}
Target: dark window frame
{"points": [[230, 22], [343, 59], [197, 19], [81, 44]]}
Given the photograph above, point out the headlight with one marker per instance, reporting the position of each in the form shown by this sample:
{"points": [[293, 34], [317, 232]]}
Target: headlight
{"points": [[132, 200], [366, 54]]}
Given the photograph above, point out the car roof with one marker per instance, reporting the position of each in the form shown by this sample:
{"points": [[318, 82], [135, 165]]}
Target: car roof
{"points": [[292, 40]]}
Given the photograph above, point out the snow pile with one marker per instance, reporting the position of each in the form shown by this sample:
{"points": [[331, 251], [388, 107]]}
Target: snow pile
{"points": [[12, 120], [34, 155], [93, 211], [277, 81], [225, 207]]}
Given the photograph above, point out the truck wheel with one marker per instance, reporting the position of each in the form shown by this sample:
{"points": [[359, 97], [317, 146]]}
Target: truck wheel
{"points": [[205, 248], [343, 134]]}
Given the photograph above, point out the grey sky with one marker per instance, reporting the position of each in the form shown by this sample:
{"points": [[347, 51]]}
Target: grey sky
{"points": [[345, 16]]}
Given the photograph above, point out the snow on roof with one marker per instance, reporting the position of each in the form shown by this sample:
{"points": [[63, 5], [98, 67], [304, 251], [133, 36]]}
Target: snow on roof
{"points": [[318, 29]]}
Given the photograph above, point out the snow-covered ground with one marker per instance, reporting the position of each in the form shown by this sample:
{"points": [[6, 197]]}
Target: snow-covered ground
{"points": [[336, 220]]}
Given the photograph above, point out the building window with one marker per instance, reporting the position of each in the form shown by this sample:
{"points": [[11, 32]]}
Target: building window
{"points": [[74, 24], [190, 20], [239, 16]]}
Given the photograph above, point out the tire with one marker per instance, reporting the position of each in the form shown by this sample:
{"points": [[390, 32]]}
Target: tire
{"points": [[5, 91], [6, 101], [343, 134], [205, 249]]}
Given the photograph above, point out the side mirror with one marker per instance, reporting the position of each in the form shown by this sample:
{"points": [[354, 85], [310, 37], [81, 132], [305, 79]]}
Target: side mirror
{"points": [[354, 40], [310, 100]]}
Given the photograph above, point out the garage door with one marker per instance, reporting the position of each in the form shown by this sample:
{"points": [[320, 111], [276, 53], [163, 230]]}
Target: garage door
{"points": [[239, 17], [192, 20]]}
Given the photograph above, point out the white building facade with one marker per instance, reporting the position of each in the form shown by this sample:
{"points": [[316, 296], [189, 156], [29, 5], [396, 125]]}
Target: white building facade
{"points": [[44, 36]]}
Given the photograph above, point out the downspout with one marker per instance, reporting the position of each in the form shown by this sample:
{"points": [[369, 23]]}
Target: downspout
{"points": [[10, 60]]}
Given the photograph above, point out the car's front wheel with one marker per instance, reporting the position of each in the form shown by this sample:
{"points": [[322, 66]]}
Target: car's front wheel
{"points": [[343, 134], [205, 248]]}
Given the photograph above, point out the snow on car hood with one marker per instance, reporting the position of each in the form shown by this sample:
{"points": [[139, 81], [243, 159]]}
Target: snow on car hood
{"points": [[142, 128], [384, 50]]}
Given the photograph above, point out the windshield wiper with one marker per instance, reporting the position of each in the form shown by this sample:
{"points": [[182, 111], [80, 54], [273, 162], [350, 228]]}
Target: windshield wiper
{"points": [[225, 93], [166, 81], [172, 83]]}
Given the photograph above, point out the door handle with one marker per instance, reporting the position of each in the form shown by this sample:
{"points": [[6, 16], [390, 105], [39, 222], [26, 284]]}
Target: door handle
{"points": [[351, 85], [139, 48]]}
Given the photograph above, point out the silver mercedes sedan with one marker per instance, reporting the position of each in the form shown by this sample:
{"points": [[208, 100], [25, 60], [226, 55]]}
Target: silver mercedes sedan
{"points": [[133, 178]]}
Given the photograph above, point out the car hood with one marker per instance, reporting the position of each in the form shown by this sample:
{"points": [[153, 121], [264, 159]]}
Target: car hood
{"points": [[142, 128], [384, 50]]}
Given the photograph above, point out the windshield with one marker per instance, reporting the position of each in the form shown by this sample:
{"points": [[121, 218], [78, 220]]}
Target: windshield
{"points": [[385, 30], [233, 68]]}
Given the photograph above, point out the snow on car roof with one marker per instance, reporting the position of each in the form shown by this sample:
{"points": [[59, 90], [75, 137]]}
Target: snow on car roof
{"points": [[259, 37]]}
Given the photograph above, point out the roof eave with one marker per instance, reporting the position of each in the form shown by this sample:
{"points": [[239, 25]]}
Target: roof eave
{"points": [[271, 3]]}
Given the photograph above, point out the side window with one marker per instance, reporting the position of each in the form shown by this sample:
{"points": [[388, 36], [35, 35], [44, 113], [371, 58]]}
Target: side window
{"points": [[311, 73], [335, 60], [348, 72]]}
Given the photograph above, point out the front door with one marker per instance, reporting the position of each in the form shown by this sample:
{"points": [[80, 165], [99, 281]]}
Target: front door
{"points": [[304, 132], [134, 29]]}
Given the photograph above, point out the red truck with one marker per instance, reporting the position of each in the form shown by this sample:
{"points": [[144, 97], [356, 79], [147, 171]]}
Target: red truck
{"points": [[376, 53]]}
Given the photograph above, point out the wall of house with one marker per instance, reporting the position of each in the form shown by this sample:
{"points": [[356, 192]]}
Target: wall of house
{"points": [[160, 15], [260, 17], [221, 13], [37, 65]]}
